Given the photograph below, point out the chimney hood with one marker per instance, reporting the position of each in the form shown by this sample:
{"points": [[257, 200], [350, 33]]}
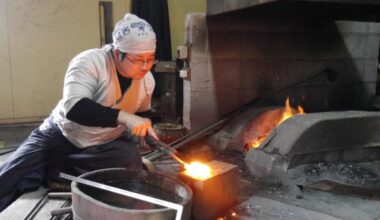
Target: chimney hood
{"points": [[354, 10]]}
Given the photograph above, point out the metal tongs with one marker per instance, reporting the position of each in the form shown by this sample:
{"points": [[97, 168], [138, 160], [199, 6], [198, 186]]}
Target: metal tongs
{"points": [[161, 146]]}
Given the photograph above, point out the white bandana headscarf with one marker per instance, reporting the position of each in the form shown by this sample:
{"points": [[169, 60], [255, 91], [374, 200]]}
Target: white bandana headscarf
{"points": [[134, 35]]}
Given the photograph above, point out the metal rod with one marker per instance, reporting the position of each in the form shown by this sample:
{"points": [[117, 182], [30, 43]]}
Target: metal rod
{"points": [[59, 195], [177, 207], [187, 138], [209, 128], [66, 204], [60, 211], [37, 207], [6, 152], [161, 145]]}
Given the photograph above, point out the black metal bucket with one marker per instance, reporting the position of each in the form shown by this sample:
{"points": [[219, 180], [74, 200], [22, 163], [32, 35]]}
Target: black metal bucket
{"points": [[90, 203]]}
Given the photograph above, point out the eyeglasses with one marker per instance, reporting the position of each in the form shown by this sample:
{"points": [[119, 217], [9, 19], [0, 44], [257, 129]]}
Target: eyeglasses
{"points": [[142, 62]]}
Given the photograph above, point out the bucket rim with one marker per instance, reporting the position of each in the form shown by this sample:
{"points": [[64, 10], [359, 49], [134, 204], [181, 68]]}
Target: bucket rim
{"points": [[75, 189]]}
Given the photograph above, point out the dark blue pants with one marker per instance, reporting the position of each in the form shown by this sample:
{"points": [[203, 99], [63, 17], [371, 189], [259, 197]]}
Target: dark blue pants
{"points": [[47, 152]]}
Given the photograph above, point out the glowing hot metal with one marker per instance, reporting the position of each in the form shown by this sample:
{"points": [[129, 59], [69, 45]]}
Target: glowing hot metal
{"points": [[195, 169]]}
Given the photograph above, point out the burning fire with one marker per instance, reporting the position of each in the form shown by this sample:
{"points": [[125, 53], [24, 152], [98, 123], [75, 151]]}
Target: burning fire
{"points": [[195, 169], [288, 112], [198, 170]]}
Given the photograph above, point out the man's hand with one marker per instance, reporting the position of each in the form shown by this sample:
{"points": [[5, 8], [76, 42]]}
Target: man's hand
{"points": [[139, 126]]}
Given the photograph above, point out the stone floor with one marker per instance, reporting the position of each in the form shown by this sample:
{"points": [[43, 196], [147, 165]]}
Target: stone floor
{"points": [[256, 199]]}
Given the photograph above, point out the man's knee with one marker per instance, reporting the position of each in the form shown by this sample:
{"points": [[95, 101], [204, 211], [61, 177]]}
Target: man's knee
{"points": [[128, 156], [126, 152], [113, 154], [126, 148]]}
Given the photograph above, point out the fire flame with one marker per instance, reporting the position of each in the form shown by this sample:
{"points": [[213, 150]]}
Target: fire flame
{"points": [[195, 169], [288, 112], [198, 170]]}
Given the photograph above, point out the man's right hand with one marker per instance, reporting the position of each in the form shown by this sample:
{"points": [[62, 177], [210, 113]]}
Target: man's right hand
{"points": [[139, 126]]}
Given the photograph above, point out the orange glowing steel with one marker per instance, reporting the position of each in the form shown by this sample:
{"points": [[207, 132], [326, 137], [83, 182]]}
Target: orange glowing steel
{"points": [[178, 159], [288, 112], [198, 170]]}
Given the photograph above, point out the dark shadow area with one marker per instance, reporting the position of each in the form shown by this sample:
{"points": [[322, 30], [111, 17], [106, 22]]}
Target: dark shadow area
{"points": [[315, 63]]}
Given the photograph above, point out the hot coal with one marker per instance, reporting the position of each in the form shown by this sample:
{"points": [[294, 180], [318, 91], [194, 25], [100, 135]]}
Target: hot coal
{"points": [[345, 172], [357, 174], [316, 169]]}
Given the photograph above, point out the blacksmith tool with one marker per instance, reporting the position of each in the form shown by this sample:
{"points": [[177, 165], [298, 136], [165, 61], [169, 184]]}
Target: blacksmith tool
{"points": [[161, 146], [164, 148], [148, 164]]}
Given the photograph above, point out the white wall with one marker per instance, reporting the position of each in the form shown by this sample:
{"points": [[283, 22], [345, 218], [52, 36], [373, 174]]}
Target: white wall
{"points": [[38, 38], [6, 104]]}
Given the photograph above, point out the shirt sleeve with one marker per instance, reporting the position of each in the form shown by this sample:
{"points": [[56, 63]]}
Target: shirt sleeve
{"points": [[89, 113], [81, 81]]}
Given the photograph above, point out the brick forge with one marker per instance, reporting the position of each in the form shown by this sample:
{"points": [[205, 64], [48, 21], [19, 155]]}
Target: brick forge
{"points": [[215, 195], [234, 59], [350, 136]]}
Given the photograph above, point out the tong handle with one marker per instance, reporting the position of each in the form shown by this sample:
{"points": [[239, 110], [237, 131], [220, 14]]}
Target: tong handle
{"points": [[160, 145]]}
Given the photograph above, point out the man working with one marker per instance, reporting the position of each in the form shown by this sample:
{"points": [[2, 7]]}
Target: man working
{"points": [[103, 89]]}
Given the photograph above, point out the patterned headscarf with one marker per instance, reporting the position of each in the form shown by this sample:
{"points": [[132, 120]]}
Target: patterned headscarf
{"points": [[134, 35]]}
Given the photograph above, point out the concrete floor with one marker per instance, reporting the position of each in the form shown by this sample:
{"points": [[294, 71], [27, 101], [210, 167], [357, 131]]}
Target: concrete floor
{"points": [[256, 200]]}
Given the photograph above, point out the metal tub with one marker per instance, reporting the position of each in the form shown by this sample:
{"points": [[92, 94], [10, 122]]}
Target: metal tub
{"points": [[89, 203]]}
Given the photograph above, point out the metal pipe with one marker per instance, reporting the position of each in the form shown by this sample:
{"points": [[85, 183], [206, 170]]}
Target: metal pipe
{"points": [[66, 204], [59, 195], [60, 211]]}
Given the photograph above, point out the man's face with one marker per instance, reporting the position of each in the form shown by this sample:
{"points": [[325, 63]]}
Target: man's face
{"points": [[134, 66]]}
